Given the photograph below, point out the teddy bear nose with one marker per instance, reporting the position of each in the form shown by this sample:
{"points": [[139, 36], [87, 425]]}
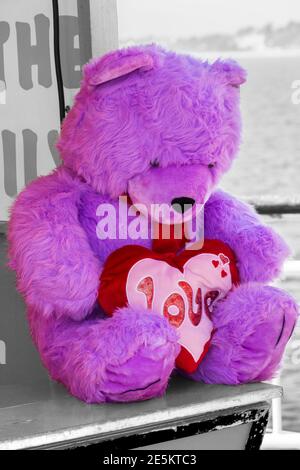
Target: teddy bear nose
{"points": [[182, 204]]}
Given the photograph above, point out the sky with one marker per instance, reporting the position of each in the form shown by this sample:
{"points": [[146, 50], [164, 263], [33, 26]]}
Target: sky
{"points": [[185, 18]]}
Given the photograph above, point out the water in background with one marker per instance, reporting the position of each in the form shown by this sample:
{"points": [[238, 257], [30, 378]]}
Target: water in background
{"points": [[269, 164], [269, 159]]}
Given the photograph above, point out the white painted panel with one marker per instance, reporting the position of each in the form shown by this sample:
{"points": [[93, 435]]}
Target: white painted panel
{"points": [[29, 108]]}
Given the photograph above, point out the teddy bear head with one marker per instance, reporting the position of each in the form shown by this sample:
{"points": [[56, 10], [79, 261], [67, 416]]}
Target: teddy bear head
{"points": [[159, 126]]}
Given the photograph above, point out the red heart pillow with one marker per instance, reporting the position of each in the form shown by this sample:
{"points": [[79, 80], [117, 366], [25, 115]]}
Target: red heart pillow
{"points": [[183, 288]]}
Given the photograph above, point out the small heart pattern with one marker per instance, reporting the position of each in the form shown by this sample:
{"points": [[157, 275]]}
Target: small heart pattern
{"points": [[184, 288]]}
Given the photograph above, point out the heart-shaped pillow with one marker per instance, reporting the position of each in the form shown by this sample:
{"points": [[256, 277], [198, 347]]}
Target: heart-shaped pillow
{"points": [[183, 288]]}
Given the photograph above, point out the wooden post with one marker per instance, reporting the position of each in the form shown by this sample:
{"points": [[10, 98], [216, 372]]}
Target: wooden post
{"points": [[104, 26]]}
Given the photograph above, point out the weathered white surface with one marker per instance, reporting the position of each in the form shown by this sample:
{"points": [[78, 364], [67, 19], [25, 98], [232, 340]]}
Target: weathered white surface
{"points": [[284, 440], [38, 416]]}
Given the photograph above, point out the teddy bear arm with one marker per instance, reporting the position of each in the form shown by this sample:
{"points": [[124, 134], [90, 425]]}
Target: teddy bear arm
{"points": [[48, 249], [252, 327], [259, 250]]}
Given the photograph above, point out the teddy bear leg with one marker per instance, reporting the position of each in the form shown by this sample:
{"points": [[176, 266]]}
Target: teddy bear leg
{"points": [[127, 357], [252, 326]]}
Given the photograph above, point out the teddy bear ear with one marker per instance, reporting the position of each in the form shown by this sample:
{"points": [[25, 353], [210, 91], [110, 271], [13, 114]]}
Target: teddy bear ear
{"points": [[115, 65], [230, 71]]}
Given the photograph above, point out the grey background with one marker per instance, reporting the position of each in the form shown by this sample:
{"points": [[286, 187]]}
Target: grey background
{"points": [[22, 361]]}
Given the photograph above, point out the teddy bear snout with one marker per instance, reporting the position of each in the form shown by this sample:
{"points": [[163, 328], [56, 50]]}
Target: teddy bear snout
{"points": [[182, 204]]}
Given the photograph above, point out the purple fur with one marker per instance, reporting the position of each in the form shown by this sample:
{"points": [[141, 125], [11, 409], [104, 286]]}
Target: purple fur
{"points": [[180, 112], [252, 327], [260, 251], [136, 107], [127, 357], [56, 269]]}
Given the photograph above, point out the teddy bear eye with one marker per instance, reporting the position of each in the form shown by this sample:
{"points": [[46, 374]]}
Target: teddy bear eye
{"points": [[154, 163], [212, 165]]}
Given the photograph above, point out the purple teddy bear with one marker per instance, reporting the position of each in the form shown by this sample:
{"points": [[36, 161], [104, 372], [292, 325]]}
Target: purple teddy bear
{"points": [[156, 126]]}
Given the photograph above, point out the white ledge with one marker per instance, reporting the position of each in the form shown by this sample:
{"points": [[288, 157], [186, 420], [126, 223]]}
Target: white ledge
{"points": [[32, 417]]}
